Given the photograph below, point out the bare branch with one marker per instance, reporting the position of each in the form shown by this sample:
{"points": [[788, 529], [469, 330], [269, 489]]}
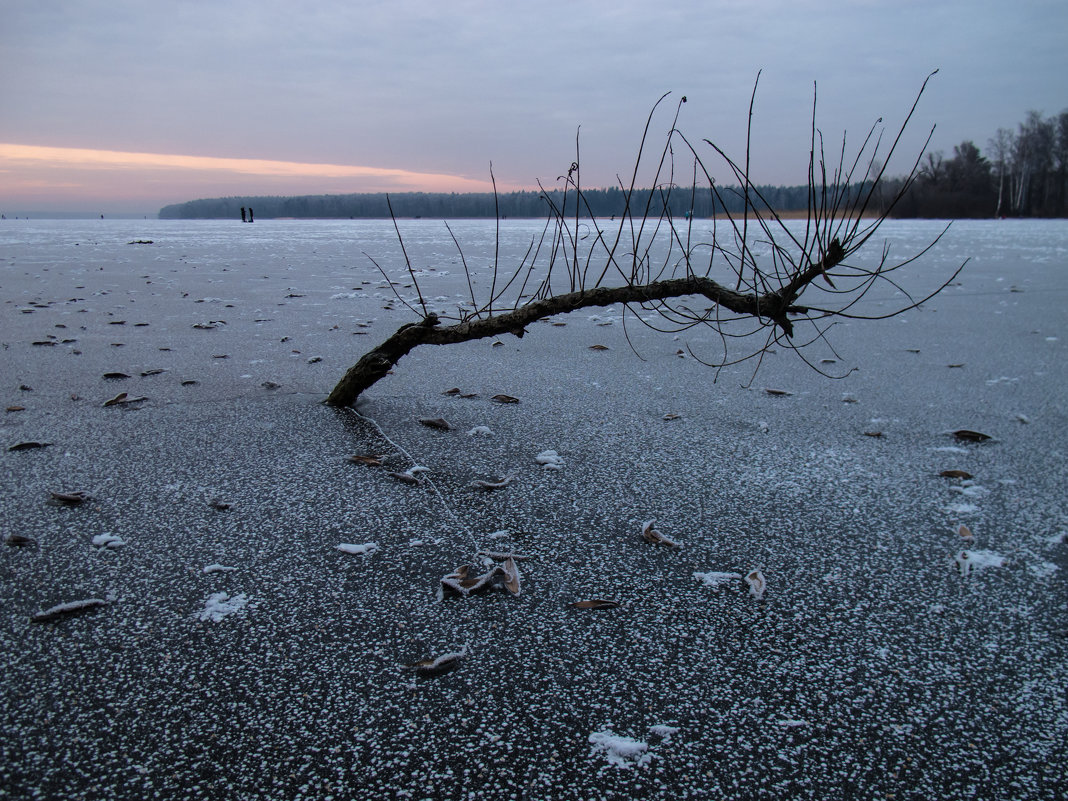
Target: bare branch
{"points": [[770, 264]]}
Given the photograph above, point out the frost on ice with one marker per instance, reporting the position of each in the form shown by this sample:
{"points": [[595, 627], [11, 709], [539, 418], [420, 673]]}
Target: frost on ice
{"points": [[626, 752], [550, 460], [108, 541], [1044, 570], [665, 733], [217, 568], [757, 584], [967, 561], [219, 605], [714, 579], [365, 548], [623, 752], [66, 610]]}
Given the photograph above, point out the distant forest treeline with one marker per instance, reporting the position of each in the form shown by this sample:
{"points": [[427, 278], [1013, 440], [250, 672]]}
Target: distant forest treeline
{"points": [[1025, 174], [601, 203]]}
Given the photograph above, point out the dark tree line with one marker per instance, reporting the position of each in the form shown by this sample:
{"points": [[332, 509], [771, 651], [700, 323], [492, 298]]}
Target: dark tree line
{"points": [[1024, 175], [601, 203]]}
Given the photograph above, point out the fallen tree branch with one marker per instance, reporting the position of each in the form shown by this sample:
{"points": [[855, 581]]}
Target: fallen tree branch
{"points": [[377, 363], [651, 261]]}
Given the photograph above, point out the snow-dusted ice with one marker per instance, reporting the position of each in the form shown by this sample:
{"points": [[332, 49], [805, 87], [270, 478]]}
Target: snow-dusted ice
{"points": [[358, 549], [622, 752], [870, 667], [714, 578], [216, 567], [550, 460], [219, 605], [108, 540]]}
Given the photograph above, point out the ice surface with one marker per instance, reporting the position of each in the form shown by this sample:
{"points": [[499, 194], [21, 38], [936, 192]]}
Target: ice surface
{"points": [[969, 560], [869, 632], [714, 579], [663, 731], [108, 541], [220, 604], [962, 508], [550, 460], [215, 567], [623, 752], [1043, 570]]}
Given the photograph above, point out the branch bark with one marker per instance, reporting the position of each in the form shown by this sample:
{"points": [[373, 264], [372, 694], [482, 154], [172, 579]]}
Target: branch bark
{"points": [[774, 306]]}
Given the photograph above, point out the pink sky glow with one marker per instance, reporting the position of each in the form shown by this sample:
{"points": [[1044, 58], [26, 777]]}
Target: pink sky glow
{"points": [[111, 180]]}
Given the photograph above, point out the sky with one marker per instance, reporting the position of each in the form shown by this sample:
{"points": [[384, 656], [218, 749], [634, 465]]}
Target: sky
{"points": [[124, 106]]}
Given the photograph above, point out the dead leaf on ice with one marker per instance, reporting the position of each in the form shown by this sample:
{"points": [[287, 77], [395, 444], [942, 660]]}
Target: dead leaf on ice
{"points": [[123, 399], [511, 576], [19, 541], [596, 603], [651, 535], [970, 436], [778, 392], [757, 584], [504, 399], [965, 533], [500, 483], [368, 459], [464, 580], [438, 666], [435, 422], [955, 474], [28, 446], [75, 498]]}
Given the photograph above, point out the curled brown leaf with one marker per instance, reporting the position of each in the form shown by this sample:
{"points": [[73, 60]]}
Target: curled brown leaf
{"points": [[596, 603], [955, 474], [28, 446], [368, 459], [651, 535], [438, 666]]}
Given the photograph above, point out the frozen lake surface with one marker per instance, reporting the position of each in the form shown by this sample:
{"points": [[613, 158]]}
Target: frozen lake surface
{"points": [[263, 650]]}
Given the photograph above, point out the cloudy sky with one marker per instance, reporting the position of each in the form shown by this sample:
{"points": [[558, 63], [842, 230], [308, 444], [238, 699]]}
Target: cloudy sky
{"points": [[127, 105]]}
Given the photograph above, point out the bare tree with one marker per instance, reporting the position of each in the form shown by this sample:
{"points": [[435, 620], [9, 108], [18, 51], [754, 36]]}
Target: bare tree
{"points": [[745, 283], [1001, 147]]}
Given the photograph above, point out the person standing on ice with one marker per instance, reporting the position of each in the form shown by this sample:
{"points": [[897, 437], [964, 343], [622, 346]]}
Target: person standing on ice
{"points": [[243, 214]]}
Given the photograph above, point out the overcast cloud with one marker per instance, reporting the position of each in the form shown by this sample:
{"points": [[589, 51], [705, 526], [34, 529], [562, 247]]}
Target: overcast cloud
{"points": [[442, 89]]}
